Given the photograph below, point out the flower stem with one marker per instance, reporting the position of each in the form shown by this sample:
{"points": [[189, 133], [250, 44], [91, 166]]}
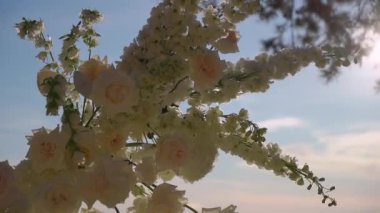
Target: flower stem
{"points": [[83, 109], [50, 53], [191, 208], [92, 117], [116, 209]]}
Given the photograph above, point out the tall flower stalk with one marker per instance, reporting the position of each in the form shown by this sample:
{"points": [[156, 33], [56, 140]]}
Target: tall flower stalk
{"points": [[122, 133]]}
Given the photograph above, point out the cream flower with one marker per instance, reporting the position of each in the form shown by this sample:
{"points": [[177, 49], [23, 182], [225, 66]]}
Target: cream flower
{"points": [[14, 201], [87, 74], [166, 199], [90, 17], [47, 149], [228, 44], [201, 158], [229, 209], [146, 171], [115, 91], [86, 142], [58, 195], [6, 179], [109, 181], [140, 204], [207, 70], [41, 76], [113, 140], [30, 28], [93, 210], [173, 152]]}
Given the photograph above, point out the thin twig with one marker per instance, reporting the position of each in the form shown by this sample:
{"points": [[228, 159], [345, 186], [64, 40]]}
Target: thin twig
{"points": [[50, 53], [177, 84], [92, 117], [191, 208], [146, 139], [155, 132], [116, 209], [83, 109], [137, 144]]}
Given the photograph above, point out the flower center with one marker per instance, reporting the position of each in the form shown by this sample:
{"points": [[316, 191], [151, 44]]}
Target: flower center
{"points": [[232, 36], [206, 69], [116, 93], [180, 154], [116, 141], [47, 150], [59, 199]]}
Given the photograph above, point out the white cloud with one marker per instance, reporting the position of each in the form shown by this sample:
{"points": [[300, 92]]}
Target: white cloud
{"points": [[274, 196], [278, 123], [353, 154], [350, 161]]}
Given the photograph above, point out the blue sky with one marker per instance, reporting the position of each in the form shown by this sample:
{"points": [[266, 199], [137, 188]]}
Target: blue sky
{"points": [[335, 128]]}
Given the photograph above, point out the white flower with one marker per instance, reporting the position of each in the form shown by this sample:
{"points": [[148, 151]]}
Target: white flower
{"points": [[31, 28], [207, 70], [41, 76], [47, 149], [86, 142], [87, 74], [92, 210], [113, 140], [115, 91], [211, 210], [15, 201], [228, 44], [146, 171], [90, 17], [109, 181], [229, 209], [6, 179], [166, 199], [72, 53], [58, 195], [173, 151], [201, 157], [140, 204]]}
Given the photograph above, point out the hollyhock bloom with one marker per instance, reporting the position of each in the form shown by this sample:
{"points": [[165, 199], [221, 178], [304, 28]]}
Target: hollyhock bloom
{"points": [[88, 149], [109, 181], [11, 198], [90, 17], [31, 29], [201, 158], [228, 44], [93, 210], [166, 199], [229, 209], [41, 76], [47, 149], [140, 204], [113, 140], [87, 74], [115, 91], [6, 179], [58, 195], [15, 201], [173, 152], [146, 171], [207, 70]]}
